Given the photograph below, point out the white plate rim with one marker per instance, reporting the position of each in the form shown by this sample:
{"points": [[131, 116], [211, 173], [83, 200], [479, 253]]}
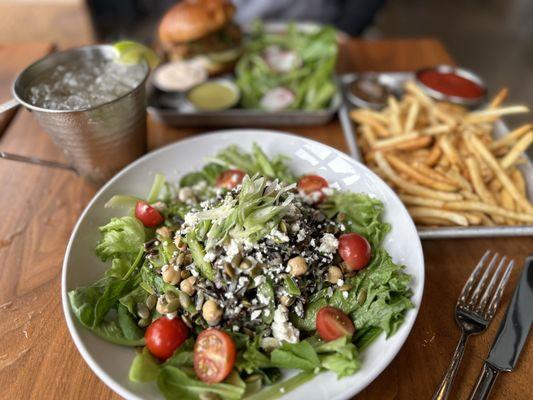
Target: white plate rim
{"points": [[127, 394]]}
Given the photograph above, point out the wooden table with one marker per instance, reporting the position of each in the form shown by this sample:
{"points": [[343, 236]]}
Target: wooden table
{"points": [[39, 206]]}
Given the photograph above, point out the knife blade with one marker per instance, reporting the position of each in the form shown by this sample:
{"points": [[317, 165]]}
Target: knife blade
{"points": [[511, 336]]}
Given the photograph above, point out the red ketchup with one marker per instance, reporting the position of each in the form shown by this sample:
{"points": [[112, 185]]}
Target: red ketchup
{"points": [[451, 84]]}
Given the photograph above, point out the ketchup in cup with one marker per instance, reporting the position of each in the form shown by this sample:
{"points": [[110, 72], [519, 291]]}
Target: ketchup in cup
{"points": [[452, 82]]}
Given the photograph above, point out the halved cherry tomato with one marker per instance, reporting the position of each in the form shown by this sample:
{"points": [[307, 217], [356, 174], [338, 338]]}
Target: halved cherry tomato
{"points": [[354, 250], [332, 323], [310, 184], [147, 214], [230, 178], [214, 355], [165, 335]]}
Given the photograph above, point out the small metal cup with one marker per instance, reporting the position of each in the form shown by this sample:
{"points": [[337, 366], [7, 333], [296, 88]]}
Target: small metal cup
{"points": [[97, 141]]}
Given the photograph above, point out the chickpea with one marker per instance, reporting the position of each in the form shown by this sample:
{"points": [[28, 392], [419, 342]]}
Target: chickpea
{"points": [[298, 266], [163, 232], [186, 195], [171, 276], [334, 274], [187, 285], [211, 312]]}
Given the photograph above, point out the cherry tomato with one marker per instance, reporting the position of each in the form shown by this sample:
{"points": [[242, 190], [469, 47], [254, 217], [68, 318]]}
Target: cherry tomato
{"points": [[354, 250], [313, 183], [230, 178], [165, 335], [332, 323], [147, 214], [214, 355]]}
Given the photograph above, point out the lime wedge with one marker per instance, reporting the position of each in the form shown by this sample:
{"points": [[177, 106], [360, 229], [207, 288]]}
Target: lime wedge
{"points": [[130, 52]]}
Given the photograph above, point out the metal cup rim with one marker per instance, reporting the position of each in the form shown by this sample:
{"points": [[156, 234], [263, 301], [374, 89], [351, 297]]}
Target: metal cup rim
{"points": [[55, 54]]}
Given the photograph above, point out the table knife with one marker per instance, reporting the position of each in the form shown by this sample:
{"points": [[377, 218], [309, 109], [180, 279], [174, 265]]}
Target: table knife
{"points": [[511, 336]]}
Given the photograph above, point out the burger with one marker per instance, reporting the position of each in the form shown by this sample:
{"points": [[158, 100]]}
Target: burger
{"points": [[204, 28]]}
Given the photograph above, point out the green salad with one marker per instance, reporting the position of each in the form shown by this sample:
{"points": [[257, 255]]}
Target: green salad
{"points": [[240, 271], [289, 70]]}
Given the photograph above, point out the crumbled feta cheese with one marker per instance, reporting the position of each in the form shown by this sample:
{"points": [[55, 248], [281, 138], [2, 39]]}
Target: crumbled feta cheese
{"points": [[159, 206], [328, 243], [191, 219], [172, 315], [235, 328], [255, 314], [210, 256], [186, 194], [233, 249], [295, 227], [345, 294], [328, 191], [199, 187], [269, 343], [262, 298], [310, 198], [340, 282], [266, 312], [259, 279], [279, 236], [282, 329], [301, 235]]}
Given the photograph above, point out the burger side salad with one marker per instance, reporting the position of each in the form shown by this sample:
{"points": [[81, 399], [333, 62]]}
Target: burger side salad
{"points": [[240, 271]]}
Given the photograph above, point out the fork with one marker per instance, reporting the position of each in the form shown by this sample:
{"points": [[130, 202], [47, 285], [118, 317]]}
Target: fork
{"points": [[474, 314]]}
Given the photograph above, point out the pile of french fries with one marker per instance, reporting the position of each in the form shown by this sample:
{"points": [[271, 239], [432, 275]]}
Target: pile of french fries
{"points": [[444, 162]]}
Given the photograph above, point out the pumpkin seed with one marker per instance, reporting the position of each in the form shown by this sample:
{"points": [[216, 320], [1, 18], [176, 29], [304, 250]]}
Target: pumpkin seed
{"points": [[180, 259], [188, 259], [170, 295], [245, 264], [236, 260], [228, 269], [199, 301], [253, 383], [185, 299], [346, 287], [282, 226], [246, 303], [143, 322], [209, 396], [143, 311], [172, 306], [185, 274], [286, 300], [150, 301], [341, 217], [361, 297], [187, 321]]}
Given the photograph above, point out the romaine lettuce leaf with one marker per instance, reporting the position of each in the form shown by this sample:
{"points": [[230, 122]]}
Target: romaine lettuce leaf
{"points": [[121, 238]]}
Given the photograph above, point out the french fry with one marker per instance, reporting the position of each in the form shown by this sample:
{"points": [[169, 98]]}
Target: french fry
{"points": [[434, 155], [412, 173], [507, 202], [511, 137], [493, 114], [394, 125], [421, 201], [499, 98], [441, 157], [519, 181], [412, 188], [411, 117], [365, 119], [500, 173], [426, 212], [517, 150], [488, 209], [477, 181]]}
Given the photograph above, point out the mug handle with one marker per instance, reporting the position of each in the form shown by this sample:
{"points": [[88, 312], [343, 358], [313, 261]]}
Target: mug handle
{"points": [[12, 105]]}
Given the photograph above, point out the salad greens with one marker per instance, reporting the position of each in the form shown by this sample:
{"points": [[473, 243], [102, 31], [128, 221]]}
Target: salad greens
{"points": [[230, 246], [300, 61]]}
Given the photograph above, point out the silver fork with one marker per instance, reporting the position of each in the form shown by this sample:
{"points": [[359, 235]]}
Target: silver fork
{"points": [[474, 314]]}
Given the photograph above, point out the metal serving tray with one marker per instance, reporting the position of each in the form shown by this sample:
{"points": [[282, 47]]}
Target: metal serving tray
{"points": [[396, 79], [183, 115]]}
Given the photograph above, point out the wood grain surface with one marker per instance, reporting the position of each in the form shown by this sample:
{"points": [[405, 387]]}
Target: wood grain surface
{"points": [[38, 209]]}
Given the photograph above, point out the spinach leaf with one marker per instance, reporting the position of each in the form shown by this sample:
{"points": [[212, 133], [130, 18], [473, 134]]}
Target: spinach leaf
{"points": [[176, 384], [144, 367], [295, 355], [183, 356]]}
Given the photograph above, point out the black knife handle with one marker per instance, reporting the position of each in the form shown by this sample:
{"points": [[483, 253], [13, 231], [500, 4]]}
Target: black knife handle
{"points": [[485, 382]]}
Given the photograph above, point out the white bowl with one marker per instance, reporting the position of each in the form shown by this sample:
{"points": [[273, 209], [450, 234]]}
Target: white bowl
{"points": [[81, 266]]}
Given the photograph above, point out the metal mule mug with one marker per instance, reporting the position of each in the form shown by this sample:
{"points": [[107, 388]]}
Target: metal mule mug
{"points": [[96, 140]]}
